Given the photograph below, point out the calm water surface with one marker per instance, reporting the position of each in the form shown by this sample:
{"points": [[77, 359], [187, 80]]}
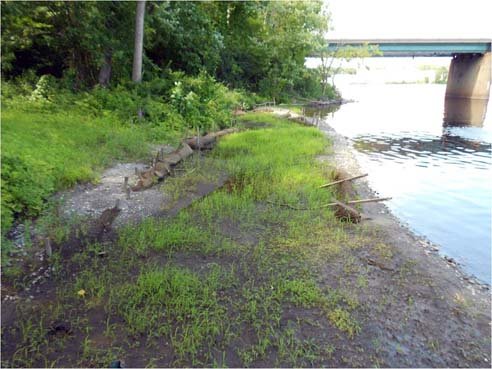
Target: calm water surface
{"points": [[439, 177]]}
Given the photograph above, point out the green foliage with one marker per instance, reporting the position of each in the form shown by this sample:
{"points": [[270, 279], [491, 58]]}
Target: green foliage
{"points": [[165, 235], [441, 75], [44, 88], [303, 292], [259, 46], [67, 147], [66, 38], [168, 291], [183, 36], [342, 320], [78, 134], [203, 102], [265, 163]]}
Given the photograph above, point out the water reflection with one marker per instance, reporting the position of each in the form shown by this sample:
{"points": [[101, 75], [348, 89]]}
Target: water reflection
{"points": [[459, 111], [439, 176], [440, 186], [321, 111], [424, 146]]}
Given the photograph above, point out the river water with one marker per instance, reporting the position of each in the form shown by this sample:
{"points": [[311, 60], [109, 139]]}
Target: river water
{"points": [[439, 177]]}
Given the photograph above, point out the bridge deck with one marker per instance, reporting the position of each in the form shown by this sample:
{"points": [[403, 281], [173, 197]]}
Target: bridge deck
{"points": [[418, 47]]}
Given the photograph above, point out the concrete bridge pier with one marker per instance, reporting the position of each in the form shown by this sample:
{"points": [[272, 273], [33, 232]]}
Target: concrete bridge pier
{"points": [[468, 89]]}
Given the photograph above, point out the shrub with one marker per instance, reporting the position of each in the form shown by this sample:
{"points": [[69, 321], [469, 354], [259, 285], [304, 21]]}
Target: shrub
{"points": [[203, 102], [53, 138]]}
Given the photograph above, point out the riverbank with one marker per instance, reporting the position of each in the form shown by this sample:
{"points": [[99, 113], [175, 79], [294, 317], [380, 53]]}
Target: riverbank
{"points": [[234, 279], [344, 157]]}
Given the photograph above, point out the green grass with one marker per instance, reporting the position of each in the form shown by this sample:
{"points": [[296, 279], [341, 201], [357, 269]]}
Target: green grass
{"points": [[294, 108], [43, 152], [171, 235], [235, 279], [176, 303], [219, 277]]}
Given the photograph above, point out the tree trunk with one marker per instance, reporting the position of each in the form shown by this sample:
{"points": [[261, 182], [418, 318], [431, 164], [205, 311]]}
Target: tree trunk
{"points": [[208, 141], [162, 168], [346, 212], [139, 32], [105, 72]]}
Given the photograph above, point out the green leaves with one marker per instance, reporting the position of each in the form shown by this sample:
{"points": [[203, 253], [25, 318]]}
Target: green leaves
{"points": [[260, 46]]}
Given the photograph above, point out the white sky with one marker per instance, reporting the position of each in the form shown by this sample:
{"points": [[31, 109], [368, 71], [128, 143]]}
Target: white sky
{"points": [[410, 18]]}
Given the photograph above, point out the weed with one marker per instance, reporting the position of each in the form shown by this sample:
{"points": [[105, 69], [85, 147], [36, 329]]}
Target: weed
{"points": [[343, 321], [150, 299], [384, 250], [304, 293], [362, 281], [175, 303], [295, 352]]}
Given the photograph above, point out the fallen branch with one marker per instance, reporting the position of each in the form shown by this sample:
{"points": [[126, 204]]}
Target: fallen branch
{"points": [[379, 265], [202, 143], [346, 212], [176, 156], [161, 168], [162, 164], [225, 132], [206, 142], [329, 204], [343, 180]]}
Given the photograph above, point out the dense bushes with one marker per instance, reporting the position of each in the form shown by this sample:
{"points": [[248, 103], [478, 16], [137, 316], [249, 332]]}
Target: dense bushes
{"points": [[43, 152], [257, 45], [53, 138]]}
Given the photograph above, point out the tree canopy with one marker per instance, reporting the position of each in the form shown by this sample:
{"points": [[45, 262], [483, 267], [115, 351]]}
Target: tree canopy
{"points": [[256, 45]]}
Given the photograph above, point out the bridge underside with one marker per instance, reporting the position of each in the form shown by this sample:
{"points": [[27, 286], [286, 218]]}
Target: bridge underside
{"points": [[469, 77], [417, 47]]}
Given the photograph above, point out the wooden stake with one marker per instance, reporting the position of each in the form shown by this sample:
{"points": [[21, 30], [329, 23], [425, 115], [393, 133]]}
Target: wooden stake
{"points": [[47, 245], [127, 189], [198, 141], [343, 180]]}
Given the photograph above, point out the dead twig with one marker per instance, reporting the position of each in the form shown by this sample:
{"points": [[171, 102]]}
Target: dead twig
{"points": [[379, 265]]}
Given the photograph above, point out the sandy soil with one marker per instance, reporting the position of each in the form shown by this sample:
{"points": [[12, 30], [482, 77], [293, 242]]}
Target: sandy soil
{"points": [[92, 199]]}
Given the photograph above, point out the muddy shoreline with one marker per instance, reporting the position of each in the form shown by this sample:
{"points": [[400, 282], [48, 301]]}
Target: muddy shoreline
{"points": [[382, 296], [345, 157]]}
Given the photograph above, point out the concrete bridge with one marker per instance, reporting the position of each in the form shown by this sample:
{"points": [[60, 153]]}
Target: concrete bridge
{"points": [[469, 77]]}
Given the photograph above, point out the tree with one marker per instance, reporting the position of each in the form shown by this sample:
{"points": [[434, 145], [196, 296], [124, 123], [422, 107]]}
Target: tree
{"points": [[331, 61], [139, 33], [256, 45], [183, 35]]}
